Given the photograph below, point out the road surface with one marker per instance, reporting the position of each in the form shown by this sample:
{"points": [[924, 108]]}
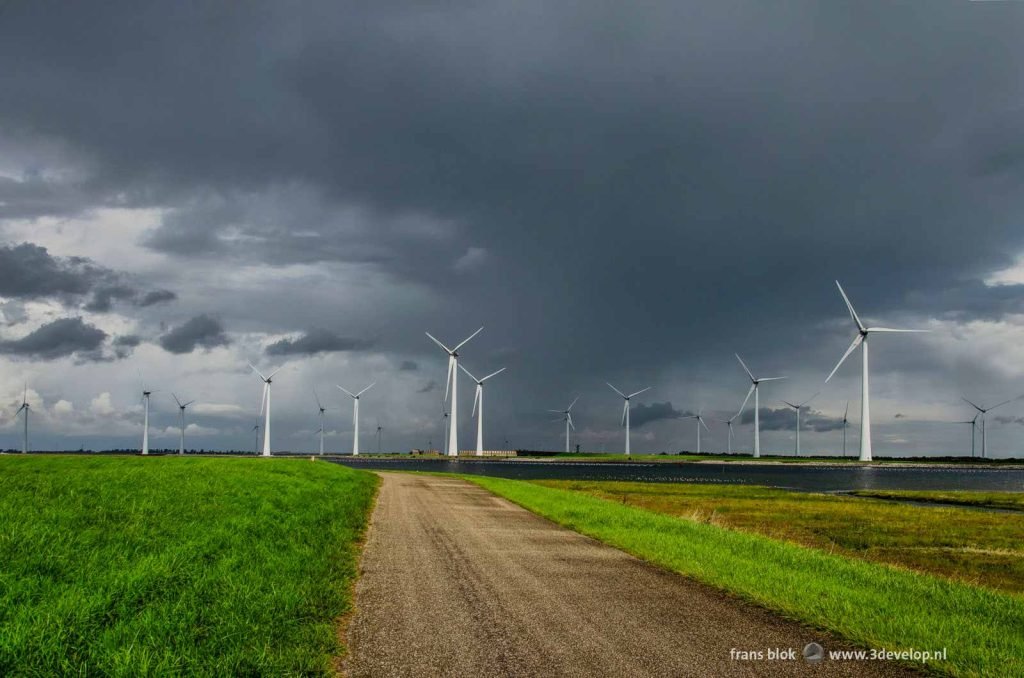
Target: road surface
{"points": [[458, 582]]}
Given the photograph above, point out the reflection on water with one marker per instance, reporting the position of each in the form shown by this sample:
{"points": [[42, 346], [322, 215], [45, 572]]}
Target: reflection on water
{"points": [[792, 476]]}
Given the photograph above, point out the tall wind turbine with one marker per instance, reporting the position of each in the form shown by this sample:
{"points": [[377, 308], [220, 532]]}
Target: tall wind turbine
{"points": [[982, 411], [865, 397], [700, 422], [24, 408], [798, 407], [846, 422], [478, 404], [754, 384], [625, 409], [181, 417], [567, 418], [355, 417], [728, 423], [380, 430], [265, 406], [453, 384], [974, 425], [322, 410]]}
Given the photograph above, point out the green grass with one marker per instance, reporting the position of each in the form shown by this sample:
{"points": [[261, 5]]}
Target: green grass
{"points": [[871, 604], [977, 547], [131, 566], [1013, 501]]}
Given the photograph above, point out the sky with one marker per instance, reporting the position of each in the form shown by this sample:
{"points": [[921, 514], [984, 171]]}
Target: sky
{"points": [[617, 192]]}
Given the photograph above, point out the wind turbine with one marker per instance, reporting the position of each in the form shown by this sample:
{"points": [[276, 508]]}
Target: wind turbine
{"points": [[478, 402], [974, 425], [145, 420], [846, 422], [865, 397], [728, 422], [24, 408], [265, 406], [754, 384], [322, 410], [798, 408], [982, 411], [379, 430], [625, 409], [453, 383], [181, 415], [355, 417], [567, 418], [256, 448], [700, 422]]}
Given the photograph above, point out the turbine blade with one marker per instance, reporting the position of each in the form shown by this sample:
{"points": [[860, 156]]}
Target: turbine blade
{"points": [[366, 389], [317, 396], [257, 371], [616, 390], [188, 403], [476, 399], [749, 393], [972, 404], [176, 399], [463, 368], [847, 410], [795, 407], [571, 425], [625, 408], [810, 399], [849, 306], [890, 329], [446, 349], [271, 375], [640, 391], [853, 346], [577, 398], [557, 411], [466, 340], [1001, 404], [700, 420], [347, 391], [770, 379], [745, 368], [493, 374], [451, 374], [263, 401]]}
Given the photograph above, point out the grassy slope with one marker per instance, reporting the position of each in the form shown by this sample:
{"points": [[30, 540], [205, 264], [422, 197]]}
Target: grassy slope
{"points": [[871, 604], [977, 547], [133, 566], [1001, 500]]}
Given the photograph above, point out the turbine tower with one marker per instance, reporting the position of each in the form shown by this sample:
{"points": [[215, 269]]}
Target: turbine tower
{"points": [[453, 383], [355, 417], [846, 422], [256, 447], [798, 408], [625, 409], [982, 411], [380, 430], [24, 408], [865, 397], [145, 421], [754, 388], [322, 410], [700, 422], [265, 406], [567, 418], [478, 403], [181, 417]]}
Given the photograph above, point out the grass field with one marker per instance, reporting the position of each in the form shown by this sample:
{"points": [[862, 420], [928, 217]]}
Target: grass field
{"points": [[133, 566], [872, 604], [1009, 501], [977, 547]]}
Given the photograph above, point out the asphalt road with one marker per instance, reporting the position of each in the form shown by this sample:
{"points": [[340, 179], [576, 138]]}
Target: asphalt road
{"points": [[458, 582]]}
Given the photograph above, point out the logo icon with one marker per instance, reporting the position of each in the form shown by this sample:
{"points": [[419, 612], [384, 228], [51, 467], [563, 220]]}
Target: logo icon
{"points": [[813, 653]]}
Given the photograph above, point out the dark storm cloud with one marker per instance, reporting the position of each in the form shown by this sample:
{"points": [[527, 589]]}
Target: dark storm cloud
{"points": [[616, 188], [125, 344], [58, 339], [201, 331], [645, 414], [784, 419], [28, 271], [408, 366], [157, 297], [317, 341]]}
